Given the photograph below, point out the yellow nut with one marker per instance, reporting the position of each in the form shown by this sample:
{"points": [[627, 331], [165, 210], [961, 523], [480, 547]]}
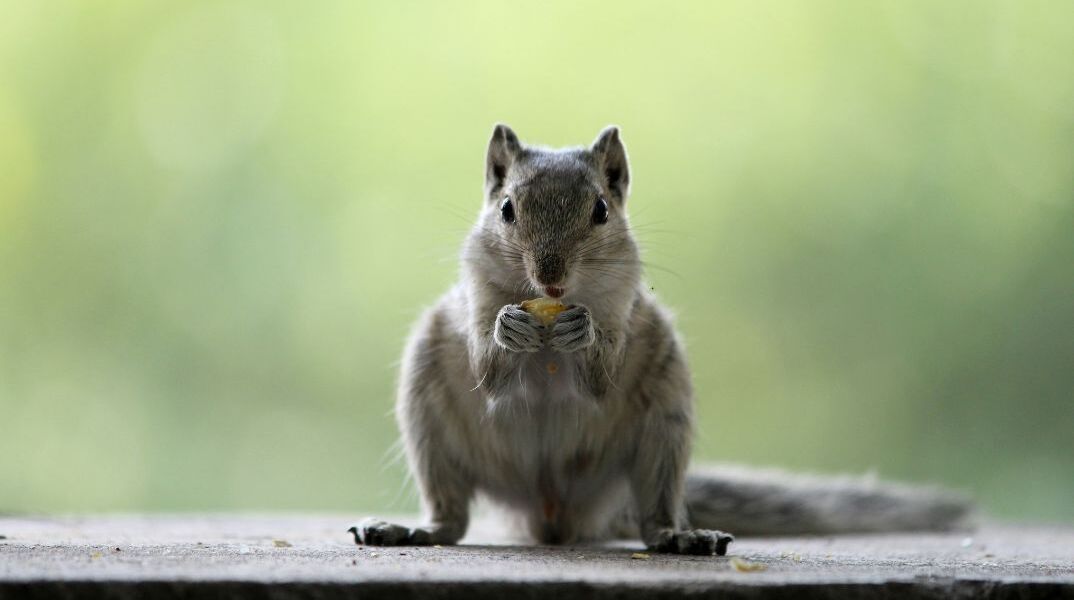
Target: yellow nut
{"points": [[545, 309]]}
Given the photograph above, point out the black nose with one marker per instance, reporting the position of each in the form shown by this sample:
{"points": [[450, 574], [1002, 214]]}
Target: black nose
{"points": [[550, 269]]}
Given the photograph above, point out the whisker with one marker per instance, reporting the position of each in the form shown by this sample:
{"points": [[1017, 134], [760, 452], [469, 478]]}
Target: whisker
{"points": [[603, 243], [649, 265], [612, 262], [620, 275]]}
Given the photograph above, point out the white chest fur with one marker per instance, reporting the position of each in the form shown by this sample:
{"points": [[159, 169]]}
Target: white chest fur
{"points": [[540, 430]]}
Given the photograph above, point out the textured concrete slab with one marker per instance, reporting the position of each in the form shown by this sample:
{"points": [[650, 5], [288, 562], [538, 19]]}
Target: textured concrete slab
{"points": [[313, 557]]}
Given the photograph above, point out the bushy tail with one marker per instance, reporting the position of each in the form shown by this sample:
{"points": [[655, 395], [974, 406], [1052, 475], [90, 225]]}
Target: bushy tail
{"points": [[747, 501]]}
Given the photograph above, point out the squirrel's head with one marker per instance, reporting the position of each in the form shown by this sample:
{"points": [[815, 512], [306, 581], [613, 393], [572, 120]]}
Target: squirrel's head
{"points": [[556, 219]]}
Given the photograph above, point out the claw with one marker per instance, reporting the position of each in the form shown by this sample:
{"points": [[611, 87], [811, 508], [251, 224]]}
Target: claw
{"points": [[357, 535], [722, 541], [701, 542]]}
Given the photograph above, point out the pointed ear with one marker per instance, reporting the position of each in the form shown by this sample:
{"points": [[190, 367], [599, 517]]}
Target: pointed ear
{"points": [[611, 159], [503, 151]]}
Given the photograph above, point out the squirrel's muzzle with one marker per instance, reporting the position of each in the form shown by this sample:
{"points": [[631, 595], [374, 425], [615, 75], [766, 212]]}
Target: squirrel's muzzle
{"points": [[551, 269]]}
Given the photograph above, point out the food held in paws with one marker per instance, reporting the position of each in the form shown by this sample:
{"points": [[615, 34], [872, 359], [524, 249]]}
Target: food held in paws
{"points": [[545, 309]]}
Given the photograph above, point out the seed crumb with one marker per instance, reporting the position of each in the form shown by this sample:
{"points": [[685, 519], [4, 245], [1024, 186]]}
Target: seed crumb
{"points": [[744, 566]]}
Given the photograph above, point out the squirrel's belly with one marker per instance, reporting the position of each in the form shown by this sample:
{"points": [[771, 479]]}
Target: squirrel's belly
{"points": [[554, 449], [557, 489], [549, 377]]}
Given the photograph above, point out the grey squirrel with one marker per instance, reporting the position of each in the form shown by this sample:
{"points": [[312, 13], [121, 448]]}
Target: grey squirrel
{"points": [[598, 446]]}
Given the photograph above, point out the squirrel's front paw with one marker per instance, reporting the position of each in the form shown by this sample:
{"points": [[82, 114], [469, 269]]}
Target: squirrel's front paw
{"points": [[517, 330], [573, 330]]}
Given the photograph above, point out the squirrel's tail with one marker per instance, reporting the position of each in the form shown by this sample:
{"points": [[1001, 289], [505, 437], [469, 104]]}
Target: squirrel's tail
{"points": [[748, 501]]}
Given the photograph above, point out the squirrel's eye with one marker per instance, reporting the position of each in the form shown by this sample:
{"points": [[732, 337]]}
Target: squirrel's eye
{"points": [[507, 211], [600, 212]]}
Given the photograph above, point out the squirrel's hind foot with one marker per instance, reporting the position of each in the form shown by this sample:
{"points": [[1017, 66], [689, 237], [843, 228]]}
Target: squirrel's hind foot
{"points": [[704, 542], [375, 532]]}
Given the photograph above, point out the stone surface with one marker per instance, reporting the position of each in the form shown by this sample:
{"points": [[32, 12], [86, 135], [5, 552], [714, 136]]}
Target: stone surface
{"points": [[313, 557]]}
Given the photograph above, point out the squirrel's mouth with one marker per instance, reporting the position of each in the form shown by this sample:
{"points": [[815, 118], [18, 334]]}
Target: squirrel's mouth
{"points": [[553, 291]]}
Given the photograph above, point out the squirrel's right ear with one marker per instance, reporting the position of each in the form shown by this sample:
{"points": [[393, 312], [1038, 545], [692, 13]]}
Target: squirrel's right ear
{"points": [[611, 157], [503, 150]]}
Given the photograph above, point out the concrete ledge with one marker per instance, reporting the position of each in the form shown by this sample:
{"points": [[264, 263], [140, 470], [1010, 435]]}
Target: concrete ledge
{"points": [[312, 557]]}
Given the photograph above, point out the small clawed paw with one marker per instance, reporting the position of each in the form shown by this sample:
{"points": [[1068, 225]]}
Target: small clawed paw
{"points": [[517, 330], [573, 330], [704, 542], [421, 537], [374, 532]]}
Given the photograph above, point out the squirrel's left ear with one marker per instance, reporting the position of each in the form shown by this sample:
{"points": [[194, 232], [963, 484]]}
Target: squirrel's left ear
{"points": [[504, 149], [611, 159]]}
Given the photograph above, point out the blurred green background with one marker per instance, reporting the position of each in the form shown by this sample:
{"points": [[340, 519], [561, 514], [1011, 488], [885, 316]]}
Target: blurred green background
{"points": [[218, 219]]}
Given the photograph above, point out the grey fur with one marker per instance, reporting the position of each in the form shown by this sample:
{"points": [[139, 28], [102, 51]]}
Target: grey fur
{"points": [[600, 447], [573, 331], [774, 502], [517, 330]]}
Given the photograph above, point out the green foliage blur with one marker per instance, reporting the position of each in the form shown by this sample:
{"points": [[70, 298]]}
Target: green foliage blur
{"points": [[218, 219]]}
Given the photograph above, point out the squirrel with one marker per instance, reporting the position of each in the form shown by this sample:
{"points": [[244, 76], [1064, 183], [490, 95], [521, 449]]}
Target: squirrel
{"points": [[584, 426]]}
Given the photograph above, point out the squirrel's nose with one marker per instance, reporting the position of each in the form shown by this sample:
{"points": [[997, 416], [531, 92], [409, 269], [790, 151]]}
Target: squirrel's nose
{"points": [[550, 269]]}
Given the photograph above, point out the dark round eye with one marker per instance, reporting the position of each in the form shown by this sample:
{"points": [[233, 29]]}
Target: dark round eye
{"points": [[507, 211], [600, 212]]}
